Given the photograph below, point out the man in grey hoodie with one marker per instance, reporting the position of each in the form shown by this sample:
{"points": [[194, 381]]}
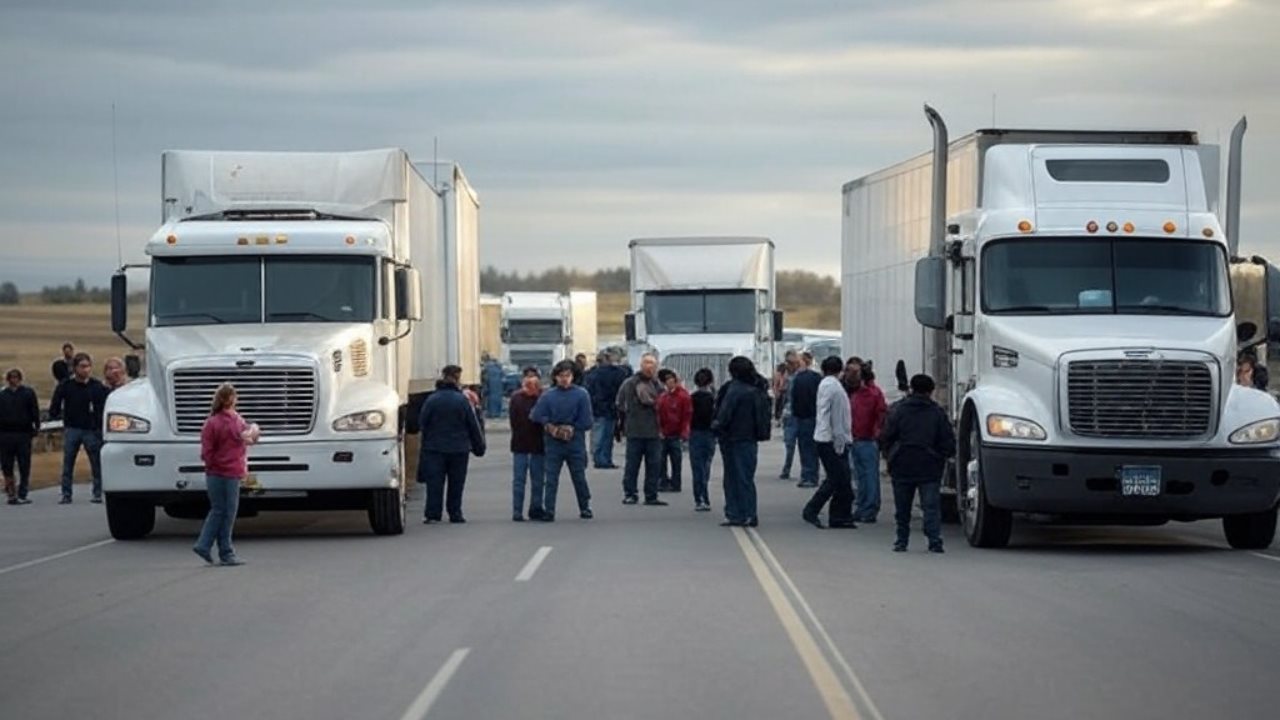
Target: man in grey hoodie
{"points": [[833, 434], [638, 419]]}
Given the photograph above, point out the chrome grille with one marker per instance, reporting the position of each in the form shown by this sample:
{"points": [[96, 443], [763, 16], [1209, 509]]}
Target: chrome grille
{"points": [[685, 365], [1139, 398], [281, 400]]}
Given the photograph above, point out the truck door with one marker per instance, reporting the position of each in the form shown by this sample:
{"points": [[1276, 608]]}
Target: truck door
{"points": [[963, 363]]}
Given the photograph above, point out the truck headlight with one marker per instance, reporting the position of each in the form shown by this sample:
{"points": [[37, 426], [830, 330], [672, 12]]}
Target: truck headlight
{"points": [[367, 420], [1263, 431], [121, 423], [1003, 426]]}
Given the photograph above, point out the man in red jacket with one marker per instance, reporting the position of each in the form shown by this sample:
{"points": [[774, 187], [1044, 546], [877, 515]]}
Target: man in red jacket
{"points": [[675, 415], [869, 410]]}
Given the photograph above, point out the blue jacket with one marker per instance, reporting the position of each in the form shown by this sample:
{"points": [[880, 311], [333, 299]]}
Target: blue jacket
{"points": [[602, 383], [448, 423], [493, 376], [564, 406]]}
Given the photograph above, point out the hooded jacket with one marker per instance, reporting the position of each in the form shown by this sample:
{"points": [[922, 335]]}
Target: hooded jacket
{"points": [[918, 438]]}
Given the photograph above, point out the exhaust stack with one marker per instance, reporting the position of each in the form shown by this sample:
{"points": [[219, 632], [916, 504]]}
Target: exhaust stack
{"points": [[1232, 214], [938, 220]]}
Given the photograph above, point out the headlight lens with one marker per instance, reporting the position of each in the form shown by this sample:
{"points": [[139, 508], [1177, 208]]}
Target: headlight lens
{"points": [[121, 423], [367, 420], [1263, 431], [1003, 426]]}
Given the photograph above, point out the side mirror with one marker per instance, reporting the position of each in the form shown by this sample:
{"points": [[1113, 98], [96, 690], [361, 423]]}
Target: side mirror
{"points": [[931, 292], [119, 303], [1245, 332], [629, 321], [777, 325], [408, 294], [132, 365]]}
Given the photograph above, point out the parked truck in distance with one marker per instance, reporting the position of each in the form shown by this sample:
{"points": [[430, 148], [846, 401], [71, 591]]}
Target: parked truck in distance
{"points": [[1071, 295], [540, 329], [699, 301], [296, 277]]}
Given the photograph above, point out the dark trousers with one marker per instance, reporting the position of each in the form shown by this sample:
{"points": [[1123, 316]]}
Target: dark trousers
{"points": [[702, 449], [904, 491], [740, 459], [559, 454], [650, 451], [437, 470], [837, 488], [672, 462], [15, 448]]}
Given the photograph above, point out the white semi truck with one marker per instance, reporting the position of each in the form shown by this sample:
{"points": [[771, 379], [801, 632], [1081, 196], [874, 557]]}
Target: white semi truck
{"points": [[296, 277], [1070, 294], [699, 301], [542, 328]]}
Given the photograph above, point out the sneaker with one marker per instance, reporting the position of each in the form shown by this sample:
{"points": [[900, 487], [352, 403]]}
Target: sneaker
{"points": [[232, 561], [97, 500], [24, 501], [535, 514], [630, 500], [936, 549], [655, 502], [899, 547], [702, 507], [65, 501], [204, 555], [586, 514]]}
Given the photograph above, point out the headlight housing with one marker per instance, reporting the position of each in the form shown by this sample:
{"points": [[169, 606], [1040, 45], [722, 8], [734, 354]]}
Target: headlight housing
{"points": [[1014, 428], [1263, 431], [355, 422], [122, 423]]}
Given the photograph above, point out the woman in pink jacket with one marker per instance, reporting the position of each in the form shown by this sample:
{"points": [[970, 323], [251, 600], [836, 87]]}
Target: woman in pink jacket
{"points": [[223, 448]]}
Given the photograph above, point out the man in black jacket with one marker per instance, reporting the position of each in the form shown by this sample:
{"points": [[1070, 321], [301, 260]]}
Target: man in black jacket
{"points": [[78, 404], [450, 430], [743, 420], [918, 439], [19, 422]]}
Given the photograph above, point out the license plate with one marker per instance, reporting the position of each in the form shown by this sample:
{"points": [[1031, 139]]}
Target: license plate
{"points": [[1140, 480]]}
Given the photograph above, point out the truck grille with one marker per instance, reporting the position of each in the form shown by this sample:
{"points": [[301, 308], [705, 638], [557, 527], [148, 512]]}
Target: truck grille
{"points": [[282, 401], [685, 365], [1139, 398]]}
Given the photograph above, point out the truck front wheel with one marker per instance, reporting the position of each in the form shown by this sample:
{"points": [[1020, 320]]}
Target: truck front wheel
{"points": [[1253, 531], [387, 511], [129, 518], [984, 526]]}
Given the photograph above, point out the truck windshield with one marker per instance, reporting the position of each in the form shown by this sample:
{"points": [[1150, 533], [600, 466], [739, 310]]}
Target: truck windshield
{"points": [[1073, 276], [218, 290], [701, 311], [535, 331]]}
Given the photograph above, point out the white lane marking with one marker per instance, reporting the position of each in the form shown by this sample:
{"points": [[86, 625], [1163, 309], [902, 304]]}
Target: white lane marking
{"points": [[534, 563], [422, 704], [55, 556], [817, 625], [1265, 556], [839, 705]]}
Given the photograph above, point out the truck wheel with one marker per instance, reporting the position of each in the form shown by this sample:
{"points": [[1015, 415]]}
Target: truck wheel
{"points": [[984, 526], [187, 510], [387, 511], [1253, 531], [128, 518]]}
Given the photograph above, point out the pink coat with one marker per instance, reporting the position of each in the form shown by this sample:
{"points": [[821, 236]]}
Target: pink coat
{"points": [[222, 448]]}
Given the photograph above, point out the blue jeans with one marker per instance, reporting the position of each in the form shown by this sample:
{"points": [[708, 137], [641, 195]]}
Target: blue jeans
{"points": [[650, 451], [437, 469], [493, 401], [673, 453], [930, 505], [72, 440], [808, 450], [573, 454], [602, 441], [866, 468], [789, 442], [740, 459], [224, 502], [531, 466], [702, 449]]}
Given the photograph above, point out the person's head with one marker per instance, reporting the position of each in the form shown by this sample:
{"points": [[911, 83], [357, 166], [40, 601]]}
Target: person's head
{"points": [[741, 368], [82, 366], [832, 365], [853, 369], [704, 378], [531, 379], [68, 351], [563, 373], [806, 358], [602, 359], [13, 377], [670, 379], [648, 365], [792, 360], [781, 369], [922, 385], [451, 374], [113, 372], [224, 398], [581, 359]]}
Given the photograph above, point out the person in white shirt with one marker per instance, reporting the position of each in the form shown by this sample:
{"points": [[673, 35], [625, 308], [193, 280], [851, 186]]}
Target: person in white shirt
{"points": [[833, 434]]}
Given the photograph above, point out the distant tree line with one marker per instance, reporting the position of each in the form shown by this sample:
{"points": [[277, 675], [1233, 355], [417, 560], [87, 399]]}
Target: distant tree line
{"points": [[76, 294], [796, 288]]}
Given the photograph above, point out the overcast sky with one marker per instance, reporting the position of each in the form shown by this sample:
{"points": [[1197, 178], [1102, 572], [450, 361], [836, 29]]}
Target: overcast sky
{"points": [[584, 124]]}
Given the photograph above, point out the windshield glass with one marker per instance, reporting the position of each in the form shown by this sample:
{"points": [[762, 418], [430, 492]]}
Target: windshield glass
{"points": [[218, 290], [1103, 276], [534, 331], [713, 311]]}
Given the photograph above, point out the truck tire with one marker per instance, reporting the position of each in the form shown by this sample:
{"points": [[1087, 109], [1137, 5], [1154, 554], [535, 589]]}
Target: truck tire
{"points": [[984, 526], [387, 511], [1253, 531], [187, 510], [128, 518]]}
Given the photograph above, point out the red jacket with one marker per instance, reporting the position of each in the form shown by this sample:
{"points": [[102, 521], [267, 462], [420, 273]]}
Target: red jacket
{"points": [[222, 448], [675, 413], [869, 411]]}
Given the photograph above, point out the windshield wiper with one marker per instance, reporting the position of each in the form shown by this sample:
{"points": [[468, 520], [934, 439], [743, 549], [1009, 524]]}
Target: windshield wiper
{"points": [[302, 314], [1153, 309], [1024, 308], [211, 316]]}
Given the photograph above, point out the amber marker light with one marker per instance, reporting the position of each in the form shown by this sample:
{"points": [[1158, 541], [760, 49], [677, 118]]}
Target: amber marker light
{"points": [[1207, 232], [1170, 228], [1128, 227], [350, 240], [1024, 226], [172, 240]]}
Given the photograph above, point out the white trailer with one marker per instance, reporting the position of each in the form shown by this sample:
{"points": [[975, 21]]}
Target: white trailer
{"points": [[294, 276], [1070, 294], [583, 323], [699, 301], [540, 329]]}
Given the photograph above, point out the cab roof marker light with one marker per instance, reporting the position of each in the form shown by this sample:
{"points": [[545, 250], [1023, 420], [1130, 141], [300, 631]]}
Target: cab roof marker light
{"points": [[1092, 227], [1025, 226], [242, 241], [1129, 228], [282, 239], [1170, 227], [262, 240], [1112, 226], [172, 240], [350, 240], [1207, 232]]}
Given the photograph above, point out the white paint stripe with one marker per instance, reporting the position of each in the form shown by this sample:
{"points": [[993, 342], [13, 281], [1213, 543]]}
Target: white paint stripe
{"points": [[55, 556], [1266, 556], [534, 563], [839, 705], [817, 625], [422, 704]]}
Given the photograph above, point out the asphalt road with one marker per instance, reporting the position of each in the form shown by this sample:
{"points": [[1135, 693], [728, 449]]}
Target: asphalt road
{"points": [[640, 613]]}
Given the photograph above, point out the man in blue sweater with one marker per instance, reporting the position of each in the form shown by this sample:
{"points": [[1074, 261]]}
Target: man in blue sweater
{"points": [[450, 430], [565, 414]]}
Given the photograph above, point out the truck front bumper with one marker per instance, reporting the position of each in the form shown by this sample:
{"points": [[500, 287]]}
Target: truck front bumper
{"points": [[1194, 484]]}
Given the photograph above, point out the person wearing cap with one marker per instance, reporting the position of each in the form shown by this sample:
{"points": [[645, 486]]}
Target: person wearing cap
{"points": [[527, 447], [450, 432], [564, 412], [918, 439], [19, 423]]}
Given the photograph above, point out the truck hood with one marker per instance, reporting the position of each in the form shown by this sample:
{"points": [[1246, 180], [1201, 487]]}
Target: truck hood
{"points": [[228, 342], [1045, 339], [708, 344]]}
